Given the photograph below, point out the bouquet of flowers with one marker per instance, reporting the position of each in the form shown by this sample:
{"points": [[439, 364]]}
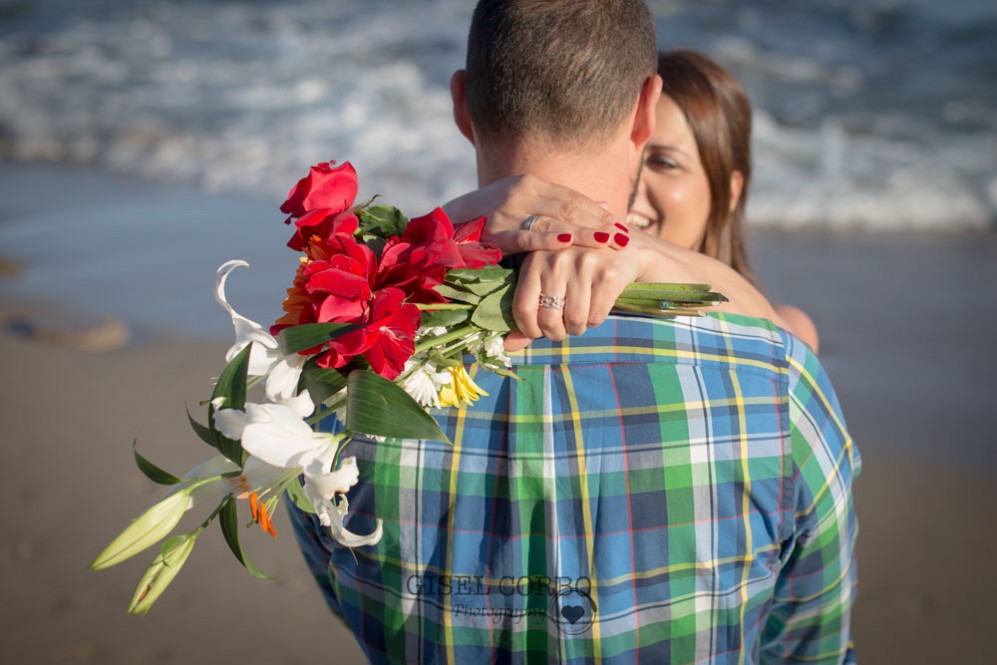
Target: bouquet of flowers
{"points": [[377, 326]]}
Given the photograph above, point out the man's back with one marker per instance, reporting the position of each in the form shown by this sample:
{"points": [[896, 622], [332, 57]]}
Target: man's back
{"points": [[677, 490]]}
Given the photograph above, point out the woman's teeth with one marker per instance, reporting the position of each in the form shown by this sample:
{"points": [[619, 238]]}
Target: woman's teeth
{"points": [[636, 221]]}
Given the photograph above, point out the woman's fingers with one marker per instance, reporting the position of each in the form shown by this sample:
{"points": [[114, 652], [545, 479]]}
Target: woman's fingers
{"points": [[563, 217], [567, 292], [516, 341], [549, 233], [526, 299]]}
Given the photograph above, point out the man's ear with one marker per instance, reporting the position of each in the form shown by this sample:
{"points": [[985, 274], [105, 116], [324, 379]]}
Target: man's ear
{"points": [[647, 105], [736, 187], [461, 116]]}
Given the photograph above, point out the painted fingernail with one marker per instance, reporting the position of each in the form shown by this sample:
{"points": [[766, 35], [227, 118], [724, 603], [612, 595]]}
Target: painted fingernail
{"points": [[564, 237], [625, 229], [600, 236], [621, 240]]}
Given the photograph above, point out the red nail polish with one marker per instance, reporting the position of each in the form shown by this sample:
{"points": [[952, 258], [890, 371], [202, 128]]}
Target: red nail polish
{"points": [[625, 229], [601, 237], [621, 240], [564, 237]]}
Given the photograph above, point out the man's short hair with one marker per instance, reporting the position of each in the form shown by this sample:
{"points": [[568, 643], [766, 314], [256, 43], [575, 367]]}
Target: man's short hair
{"points": [[568, 71]]}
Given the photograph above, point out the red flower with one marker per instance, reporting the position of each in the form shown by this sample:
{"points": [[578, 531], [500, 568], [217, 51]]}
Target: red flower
{"points": [[418, 260], [331, 285], [322, 222], [386, 340], [325, 186], [326, 191]]}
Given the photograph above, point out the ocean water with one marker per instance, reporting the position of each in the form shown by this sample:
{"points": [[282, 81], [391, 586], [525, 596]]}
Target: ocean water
{"points": [[877, 114]]}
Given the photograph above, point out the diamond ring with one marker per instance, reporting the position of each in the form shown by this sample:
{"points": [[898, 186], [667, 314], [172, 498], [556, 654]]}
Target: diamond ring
{"points": [[551, 302]]}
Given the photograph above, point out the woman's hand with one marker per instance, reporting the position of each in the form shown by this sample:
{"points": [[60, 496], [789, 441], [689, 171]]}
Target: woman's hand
{"points": [[564, 217], [588, 281]]}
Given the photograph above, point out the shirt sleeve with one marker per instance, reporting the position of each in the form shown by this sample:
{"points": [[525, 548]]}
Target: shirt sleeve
{"points": [[815, 590]]}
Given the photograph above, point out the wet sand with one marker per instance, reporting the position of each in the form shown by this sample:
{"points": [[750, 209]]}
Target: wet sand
{"points": [[907, 327]]}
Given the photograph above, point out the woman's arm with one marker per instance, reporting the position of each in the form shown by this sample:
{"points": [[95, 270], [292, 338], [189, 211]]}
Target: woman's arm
{"points": [[798, 322], [591, 280]]}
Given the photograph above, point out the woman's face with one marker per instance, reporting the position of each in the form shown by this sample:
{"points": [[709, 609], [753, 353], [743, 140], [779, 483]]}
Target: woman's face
{"points": [[673, 196]]}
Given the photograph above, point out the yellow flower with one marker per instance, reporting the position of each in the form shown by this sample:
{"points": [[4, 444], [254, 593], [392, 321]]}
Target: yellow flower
{"points": [[461, 389]]}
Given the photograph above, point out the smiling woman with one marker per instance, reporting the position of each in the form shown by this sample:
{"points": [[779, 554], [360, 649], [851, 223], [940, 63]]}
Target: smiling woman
{"points": [[697, 169], [697, 166]]}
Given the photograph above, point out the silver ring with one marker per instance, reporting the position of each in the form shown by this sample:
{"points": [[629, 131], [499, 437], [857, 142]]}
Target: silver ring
{"points": [[528, 222], [551, 302]]}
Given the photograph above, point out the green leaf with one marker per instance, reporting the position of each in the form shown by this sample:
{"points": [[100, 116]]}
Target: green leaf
{"points": [[676, 296], [307, 335], [202, 432], [458, 294], [297, 495], [483, 288], [504, 372], [229, 521], [495, 311], [637, 288], [151, 471], [654, 311], [382, 221], [473, 276], [232, 382], [377, 406], [321, 383], [446, 318]]}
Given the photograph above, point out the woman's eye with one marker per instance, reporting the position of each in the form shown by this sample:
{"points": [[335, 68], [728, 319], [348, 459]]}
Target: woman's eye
{"points": [[660, 162]]}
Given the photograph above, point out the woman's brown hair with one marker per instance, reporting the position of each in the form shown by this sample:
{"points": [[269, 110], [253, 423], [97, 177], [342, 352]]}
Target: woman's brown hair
{"points": [[719, 113]]}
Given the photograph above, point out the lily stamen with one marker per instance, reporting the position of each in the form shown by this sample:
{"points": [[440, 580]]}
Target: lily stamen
{"points": [[265, 522]]}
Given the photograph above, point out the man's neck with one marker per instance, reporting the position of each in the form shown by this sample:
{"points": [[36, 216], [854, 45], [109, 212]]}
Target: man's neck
{"points": [[605, 177]]}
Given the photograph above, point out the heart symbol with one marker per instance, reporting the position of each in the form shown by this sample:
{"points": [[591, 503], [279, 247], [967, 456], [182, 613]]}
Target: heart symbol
{"points": [[572, 613]]}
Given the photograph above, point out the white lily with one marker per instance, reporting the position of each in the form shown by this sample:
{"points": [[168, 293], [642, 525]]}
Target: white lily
{"points": [[332, 513], [265, 357], [277, 435]]}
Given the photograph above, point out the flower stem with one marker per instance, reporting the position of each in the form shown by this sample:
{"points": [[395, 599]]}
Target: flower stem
{"points": [[439, 306], [447, 338], [326, 411]]}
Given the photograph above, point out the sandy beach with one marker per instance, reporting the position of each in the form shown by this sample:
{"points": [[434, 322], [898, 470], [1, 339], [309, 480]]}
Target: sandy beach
{"points": [[907, 326]]}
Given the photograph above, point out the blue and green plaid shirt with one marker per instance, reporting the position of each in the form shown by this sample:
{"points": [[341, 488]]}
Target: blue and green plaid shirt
{"points": [[672, 490]]}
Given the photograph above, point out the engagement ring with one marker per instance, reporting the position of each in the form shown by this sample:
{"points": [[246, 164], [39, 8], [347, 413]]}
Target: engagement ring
{"points": [[551, 302], [528, 222]]}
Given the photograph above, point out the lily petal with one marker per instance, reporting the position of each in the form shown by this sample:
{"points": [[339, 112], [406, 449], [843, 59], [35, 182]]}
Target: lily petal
{"points": [[266, 349], [343, 535], [231, 423], [327, 485], [282, 383], [277, 435]]}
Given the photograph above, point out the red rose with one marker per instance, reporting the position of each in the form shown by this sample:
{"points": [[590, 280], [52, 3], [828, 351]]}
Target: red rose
{"points": [[418, 260], [325, 186]]}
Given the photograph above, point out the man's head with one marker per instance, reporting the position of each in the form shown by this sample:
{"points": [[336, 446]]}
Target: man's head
{"points": [[567, 73]]}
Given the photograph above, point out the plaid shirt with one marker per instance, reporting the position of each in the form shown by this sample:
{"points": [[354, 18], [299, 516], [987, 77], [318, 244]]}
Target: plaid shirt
{"points": [[672, 490]]}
